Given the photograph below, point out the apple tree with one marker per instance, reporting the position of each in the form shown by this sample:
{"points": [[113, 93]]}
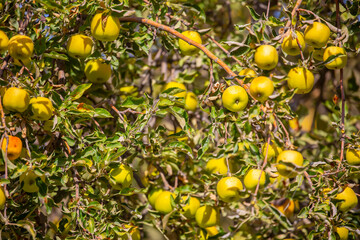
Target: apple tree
{"points": [[179, 119]]}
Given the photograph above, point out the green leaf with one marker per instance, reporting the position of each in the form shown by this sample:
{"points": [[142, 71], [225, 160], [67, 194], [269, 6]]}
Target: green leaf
{"points": [[56, 55], [79, 91], [102, 113], [253, 14], [29, 226]]}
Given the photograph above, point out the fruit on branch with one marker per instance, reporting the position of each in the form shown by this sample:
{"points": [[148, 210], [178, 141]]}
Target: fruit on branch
{"points": [[121, 177], [252, 179], [105, 28], [337, 63], [28, 178], [21, 47], [286, 207], [16, 99], [217, 166], [273, 150], [318, 54], [191, 101], [261, 88], [79, 46], [163, 202], [266, 57], [228, 189], [235, 98], [41, 108], [290, 45], [189, 209], [343, 232], [186, 48], [176, 85], [97, 71], [14, 147], [353, 156], [4, 41], [349, 199], [212, 231], [26, 62], [2, 198], [317, 34], [248, 73], [289, 156], [300, 78], [134, 233], [207, 216], [153, 195]]}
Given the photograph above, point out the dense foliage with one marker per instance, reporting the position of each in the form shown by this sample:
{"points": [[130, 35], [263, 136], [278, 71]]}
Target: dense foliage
{"points": [[133, 124]]}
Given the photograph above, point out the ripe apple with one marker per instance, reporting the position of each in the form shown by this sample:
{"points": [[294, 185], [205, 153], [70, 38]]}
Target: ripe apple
{"points": [[163, 202], [273, 150], [186, 48], [191, 101], [300, 78], [189, 209], [228, 189], [349, 199], [2, 198], [290, 45], [14, 147], [21, 47], [26, 62], [176, 85], [338, 62], [343, 232], [4, 41], [317, 34], [290, 156], [266, 57], [97, 71], [235, 98], [28, 178], [121, 177], [286, 207], [252, 179], [41, 108], [207, 216], [217, 166], [79, 46], [16, 99], [105, 28], [153, 195], [248, 73], [261, 88], [353, 156]]}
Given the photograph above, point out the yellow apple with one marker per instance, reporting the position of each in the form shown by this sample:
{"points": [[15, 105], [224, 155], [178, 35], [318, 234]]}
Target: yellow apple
{"points": [[343, 232], [41, 108], [122, 175], [228, 189], [105, 28], [26, 62], [286, 207], [252, 179], [273, 150], [317, 34], [235, 98], [261, 88], [191, 101], [16, 99], [353, 156], [163, 202], [300, 78], [176, 85], [289, 156], [2, 198], [217, 166], [266, 57], [14, 147], [338, 62], [186, 48], [248, 73], [153, 195], [79, 46], [28, 178], [207, 216], [21, 47], [290, 45], [191, 207], [134, 233], [97, 71], [4, 41], [349, 199]]}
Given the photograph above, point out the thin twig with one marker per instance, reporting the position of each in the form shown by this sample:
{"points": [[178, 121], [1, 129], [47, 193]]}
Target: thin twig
{"points": [[263, 165]]}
